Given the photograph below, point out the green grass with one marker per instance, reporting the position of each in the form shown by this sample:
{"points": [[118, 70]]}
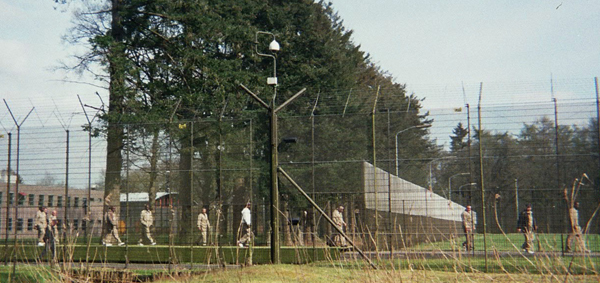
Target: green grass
{"points": [[161, 254], [510, 242], [27, 273]]}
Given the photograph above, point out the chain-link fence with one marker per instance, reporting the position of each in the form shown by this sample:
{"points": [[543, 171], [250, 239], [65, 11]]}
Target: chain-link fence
{"points": [[403, 184]]}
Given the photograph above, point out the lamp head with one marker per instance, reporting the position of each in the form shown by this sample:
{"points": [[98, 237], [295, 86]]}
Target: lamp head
{"points": [[274, 46]]}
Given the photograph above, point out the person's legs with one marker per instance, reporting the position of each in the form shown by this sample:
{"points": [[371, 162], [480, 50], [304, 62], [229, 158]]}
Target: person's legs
{"points": [[528, 241], [468, 239], [115, 234], [570, 242], [204, 237], [245, 239], [146, 236], [525, 245], [149, 234], [41, 234], [580, 241], [56, 235]]}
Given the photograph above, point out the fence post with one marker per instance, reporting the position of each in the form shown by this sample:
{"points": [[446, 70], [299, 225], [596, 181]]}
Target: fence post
{"points": [[481, 179]]}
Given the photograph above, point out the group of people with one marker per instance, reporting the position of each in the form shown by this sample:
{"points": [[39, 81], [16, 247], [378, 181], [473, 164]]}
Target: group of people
{"points": [[147, 221], [527, 225], [46, 226], [112, 229], [245, 237]]}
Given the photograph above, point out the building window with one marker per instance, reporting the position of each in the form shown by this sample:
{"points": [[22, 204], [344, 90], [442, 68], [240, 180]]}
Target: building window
{"points": [[68, 201], [41, 200], [76, 204], [21, 199], [75, 224], [59, 201], [31, 201], [20, 224], [11, 198], [10, 224], [84, 203], [50, 200], [0, 197], [83, 225], [29, 224]]}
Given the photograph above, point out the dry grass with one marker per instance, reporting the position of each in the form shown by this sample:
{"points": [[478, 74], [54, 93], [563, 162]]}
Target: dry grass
{"points": [[333, 274]]}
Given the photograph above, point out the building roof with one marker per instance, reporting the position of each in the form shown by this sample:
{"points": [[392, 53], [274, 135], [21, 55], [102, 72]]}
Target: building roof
{"points": [[51, 190], [141, 197]]}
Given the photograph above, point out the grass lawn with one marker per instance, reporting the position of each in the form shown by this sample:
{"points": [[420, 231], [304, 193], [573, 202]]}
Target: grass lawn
{"points": [[516, 269], [509, 242], [335, 274]]}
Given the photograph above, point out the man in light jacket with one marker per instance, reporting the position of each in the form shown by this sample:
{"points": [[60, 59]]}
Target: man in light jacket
{"points": [[203, 225], [147, 220]]}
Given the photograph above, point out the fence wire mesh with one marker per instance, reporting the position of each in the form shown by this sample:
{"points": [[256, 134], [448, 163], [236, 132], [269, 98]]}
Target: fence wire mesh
{"points": [[400, 189]]}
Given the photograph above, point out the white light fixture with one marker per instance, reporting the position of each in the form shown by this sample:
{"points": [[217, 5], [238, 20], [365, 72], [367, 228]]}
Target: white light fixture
{"points": [[274, 45]]}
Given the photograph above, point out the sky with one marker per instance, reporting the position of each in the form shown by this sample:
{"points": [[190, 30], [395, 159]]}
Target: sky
{"points": [[427, 43], [441, 50]]}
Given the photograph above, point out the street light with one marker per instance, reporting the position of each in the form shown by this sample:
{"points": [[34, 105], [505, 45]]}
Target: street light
{"points": [[402, 131], [450, 184], [273, 140], [274, 47], [468, 184], [431, 170]]}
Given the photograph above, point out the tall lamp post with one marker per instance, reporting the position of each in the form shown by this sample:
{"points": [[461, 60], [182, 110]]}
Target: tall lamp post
{"points": [[431, 169], [402, 131], [465, 185], [450, 184], [274, 47]]}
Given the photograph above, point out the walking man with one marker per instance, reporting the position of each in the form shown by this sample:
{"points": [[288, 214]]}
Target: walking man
{"points": [[246, 226], [468, 226], [575, 230], [111, 223], [54, 227], [338, 220], [147, 220], [203, 225], [41, 223], [527, 226]]}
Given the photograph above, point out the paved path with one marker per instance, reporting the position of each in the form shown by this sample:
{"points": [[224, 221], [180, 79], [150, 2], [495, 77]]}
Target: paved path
{"points": [[459, 254]]}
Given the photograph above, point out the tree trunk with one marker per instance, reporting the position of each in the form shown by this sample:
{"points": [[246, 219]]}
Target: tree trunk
{"points": [[153, 168], [114, 135], [185, 189]]}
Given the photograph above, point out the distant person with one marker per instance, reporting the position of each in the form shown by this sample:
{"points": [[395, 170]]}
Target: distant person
{"points": [[246, 227], [50, 237], [468, 227], [203, 226], [53, 222], [575, 230], [112, 226], [41, 224], [147, 220], [338, 220], [527, 226]]}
